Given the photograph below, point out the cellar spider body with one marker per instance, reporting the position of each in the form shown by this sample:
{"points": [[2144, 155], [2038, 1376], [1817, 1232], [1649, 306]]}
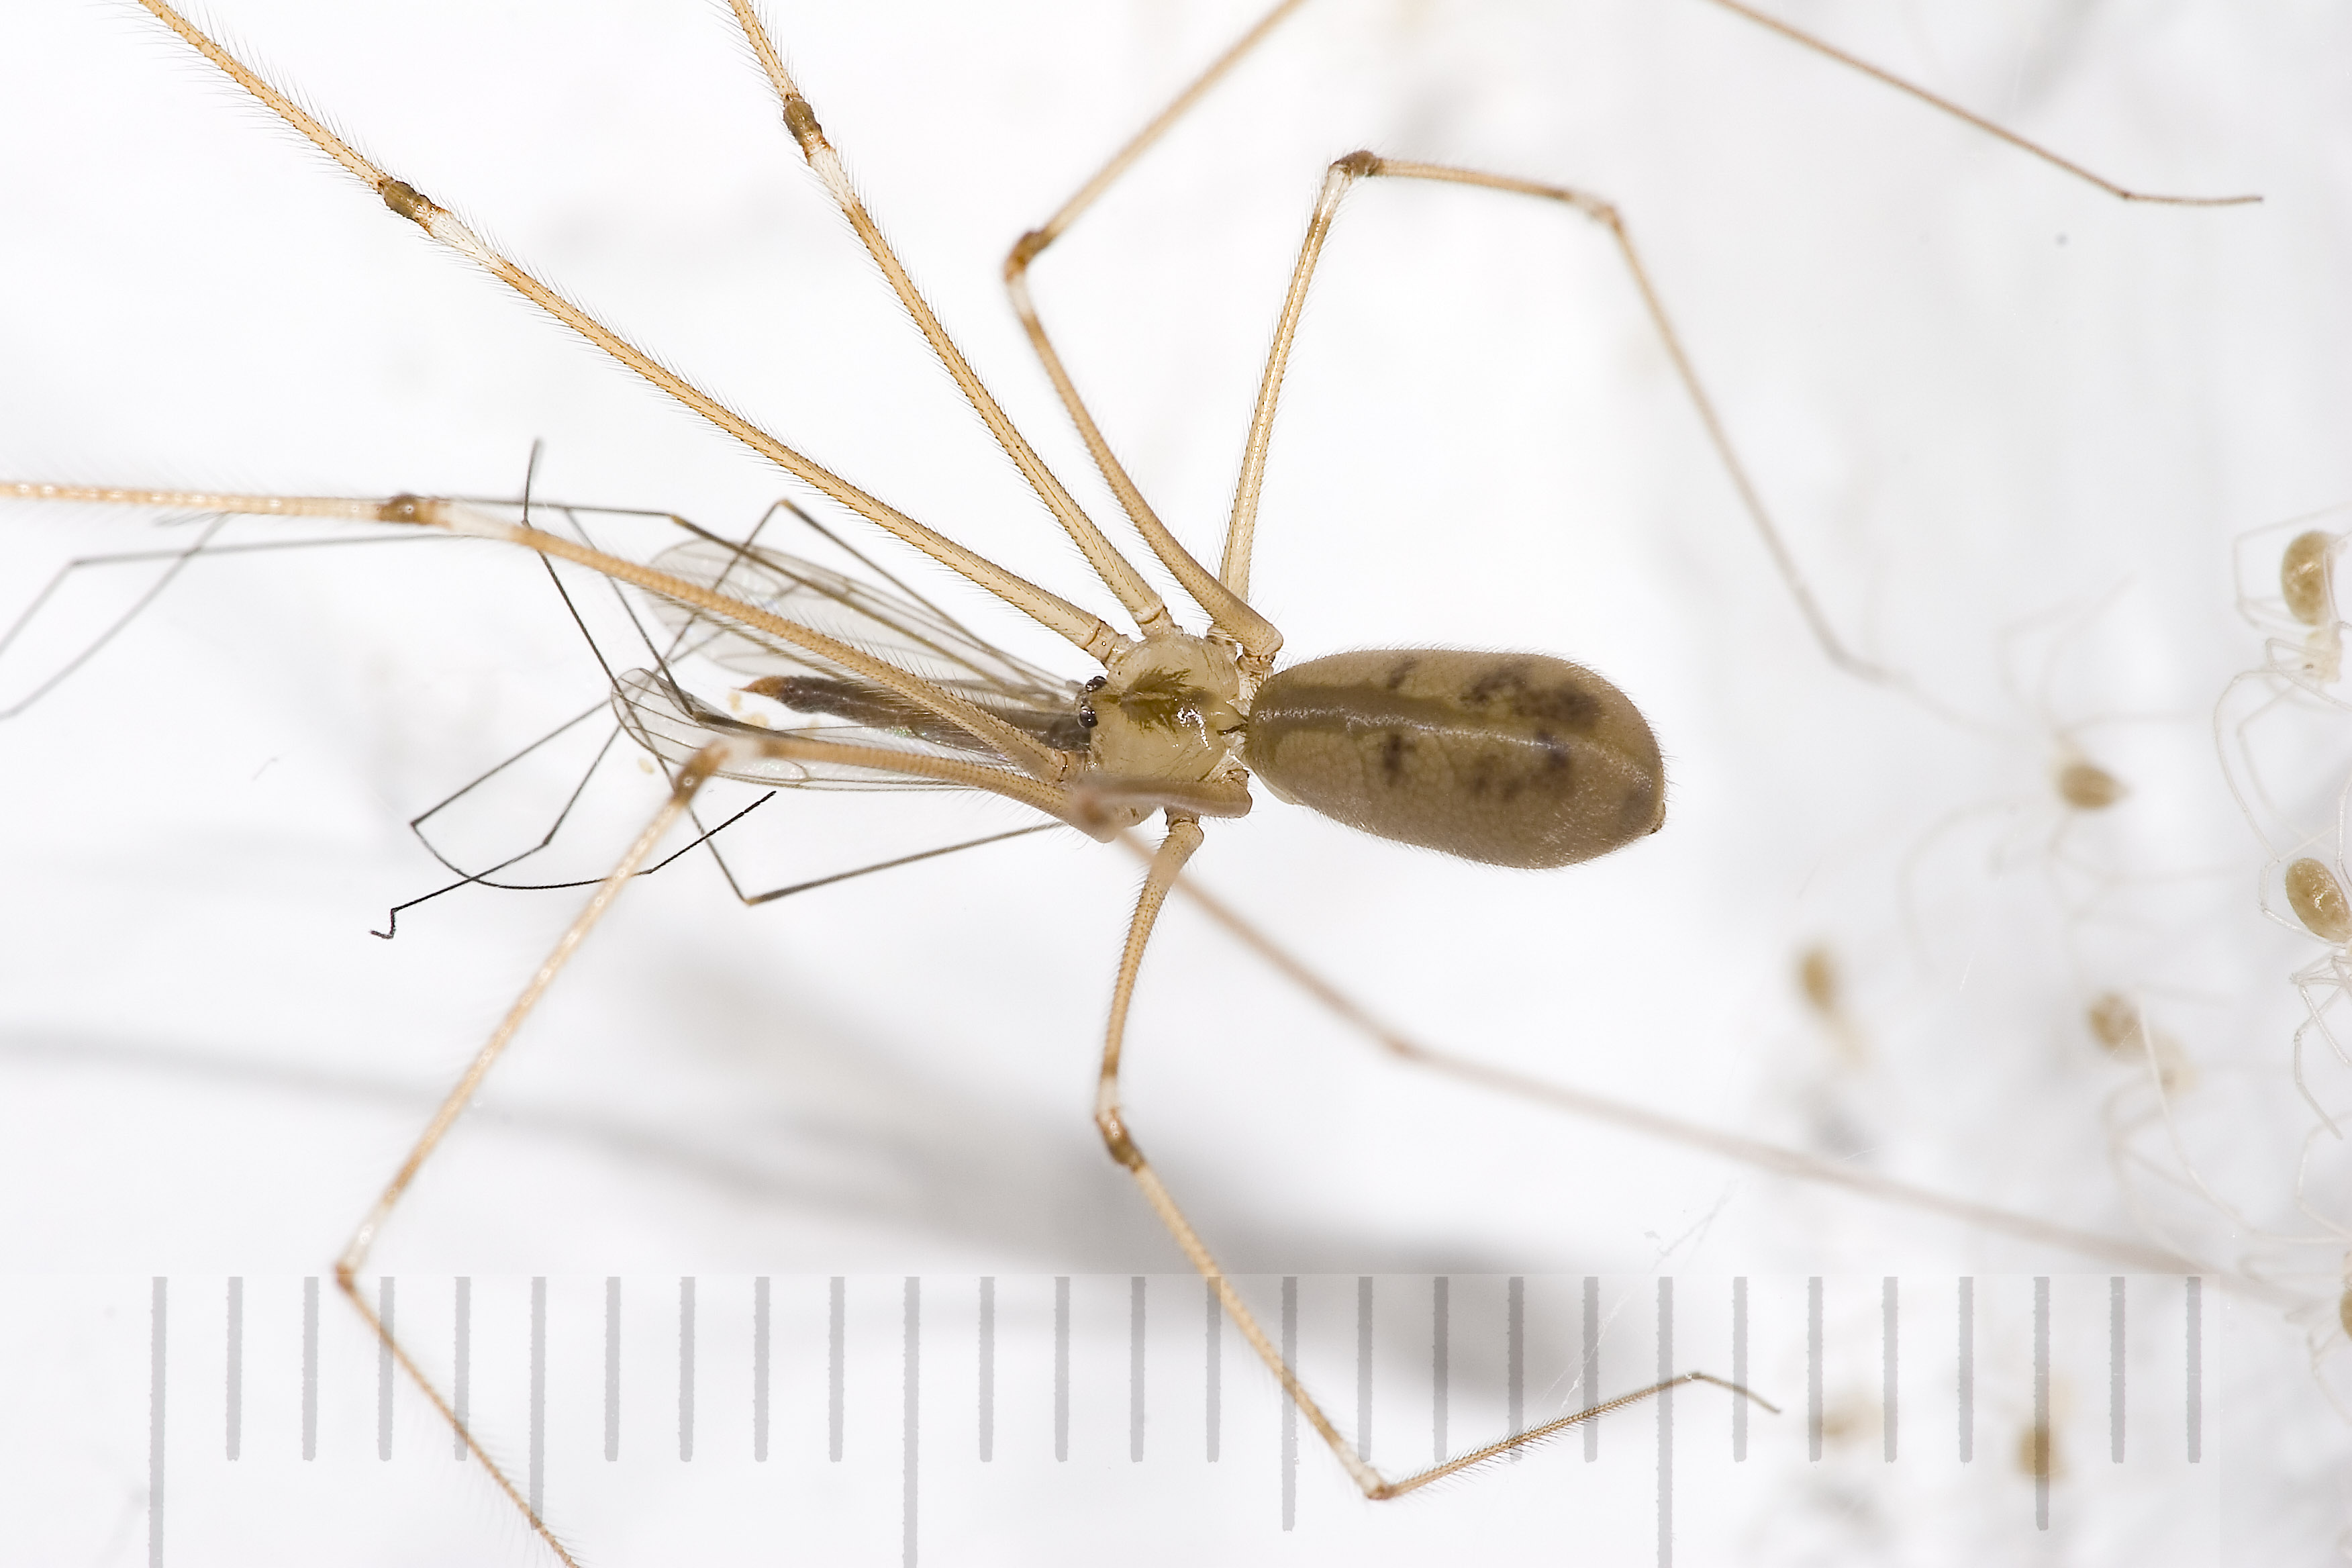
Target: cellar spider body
{"points": [[2272, 722], [2312, 892], [2287, 590], [1074, 963]]}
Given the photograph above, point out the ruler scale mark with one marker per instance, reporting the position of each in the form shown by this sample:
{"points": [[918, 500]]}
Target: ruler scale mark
{"points": [[2115, 1369], [158, 1311], [1440, 1305], [837, 1332], [760, 1324], [2040, 1437], [686, 1369], [910, 1417], [310, 1368], [1061, 1368], [461, 1381], [1364, 1366], [611, 1368], [1592, 1429], [1135, 1369], [988, 1370], [538, 1456], [384, 1302], [1214, 1368], [2196, 1369], [1666, 1404], [232, 1412], [1890, 1329], [1968, 1370], [1515, 1352], [1290, 1405], [1739, 1368], [1814, 1368]]}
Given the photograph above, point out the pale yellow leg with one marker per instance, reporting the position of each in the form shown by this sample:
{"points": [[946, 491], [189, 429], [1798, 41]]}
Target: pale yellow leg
{"points": [[1227, 610], [1241, 532], [691, 780], [1111, 1121], [1082, 628], [1946, 105], [1234, 567], [1118, 573], [1750, 1151]]}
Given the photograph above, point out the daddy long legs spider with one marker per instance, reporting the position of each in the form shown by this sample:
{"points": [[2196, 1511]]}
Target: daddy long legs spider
{"points": [[1751, 687]]}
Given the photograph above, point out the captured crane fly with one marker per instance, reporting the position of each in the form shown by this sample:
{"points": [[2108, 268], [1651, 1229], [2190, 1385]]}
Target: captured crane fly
{"points": [[781, 672], [1505, 759]]}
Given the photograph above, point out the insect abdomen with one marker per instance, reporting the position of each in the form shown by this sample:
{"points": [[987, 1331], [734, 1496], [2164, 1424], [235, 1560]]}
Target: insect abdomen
{"points": [[1511, 759]]}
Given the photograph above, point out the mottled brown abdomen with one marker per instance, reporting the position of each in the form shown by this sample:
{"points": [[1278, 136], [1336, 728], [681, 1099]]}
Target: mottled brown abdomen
{"points": [[1511, 759]]}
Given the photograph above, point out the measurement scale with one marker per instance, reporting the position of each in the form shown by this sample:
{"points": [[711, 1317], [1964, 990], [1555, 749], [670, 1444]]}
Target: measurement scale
{"points": [[955, 1418]]}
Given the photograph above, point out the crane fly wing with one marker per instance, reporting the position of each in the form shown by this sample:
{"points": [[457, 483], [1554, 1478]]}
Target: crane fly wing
{"points": [[819, 699], [674, 724], [915, 636]]}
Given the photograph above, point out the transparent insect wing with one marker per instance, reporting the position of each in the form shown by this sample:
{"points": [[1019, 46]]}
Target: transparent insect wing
{"points": [[792, 691], [674, 724], [896, 627]]}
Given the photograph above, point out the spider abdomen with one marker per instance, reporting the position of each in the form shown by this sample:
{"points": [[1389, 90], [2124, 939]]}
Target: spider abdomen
{"points": [[1510, 759]]}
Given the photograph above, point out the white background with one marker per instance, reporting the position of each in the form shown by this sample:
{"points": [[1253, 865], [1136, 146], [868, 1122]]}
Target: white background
{"points": [[1975, 391]]}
